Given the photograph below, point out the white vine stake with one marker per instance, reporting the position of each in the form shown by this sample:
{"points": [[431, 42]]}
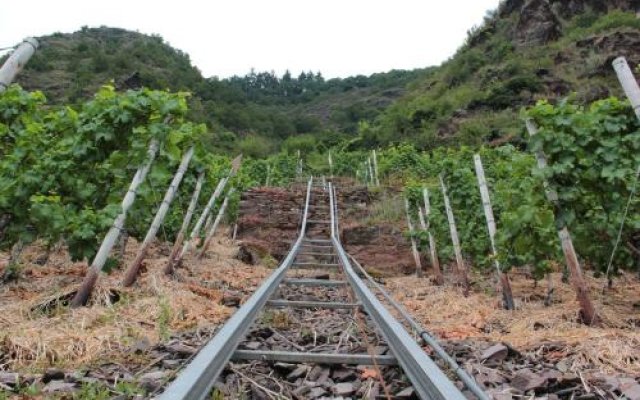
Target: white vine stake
{"points": [[16, 62], [414, 247], [491, 227], [426, 225], [375, 168], [455, 240], [628, 82], [195, 232], [185, 224], [212, 231]]}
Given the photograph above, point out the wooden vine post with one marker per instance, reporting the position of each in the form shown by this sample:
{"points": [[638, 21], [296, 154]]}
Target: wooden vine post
{"points": [[425, 223], [267, 181], [212, 231], [299, 166], [185, 224], [366, 173], [132, 272], [93, 273], [414, 247], [461, 269], [587, 310], [372, 177], [375, 168], [195, 231], [628, 83], [16, 62], [507, 295]]}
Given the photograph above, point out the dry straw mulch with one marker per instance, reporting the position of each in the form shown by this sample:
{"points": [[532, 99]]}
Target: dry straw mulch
{"points": [[157, 306], [613, 347]]}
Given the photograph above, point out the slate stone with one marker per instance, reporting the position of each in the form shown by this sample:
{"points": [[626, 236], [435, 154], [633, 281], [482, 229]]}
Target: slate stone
{"points": [[497, 352], [53, 374], [58, 387], [297, 373], [406, 393], [316, 392], [252, 345], [9, 378], [344, 388], [181, 349], [525, 380]]}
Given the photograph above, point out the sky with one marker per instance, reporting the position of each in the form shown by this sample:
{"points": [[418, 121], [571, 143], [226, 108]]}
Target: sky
{"points": [[339, 38]]}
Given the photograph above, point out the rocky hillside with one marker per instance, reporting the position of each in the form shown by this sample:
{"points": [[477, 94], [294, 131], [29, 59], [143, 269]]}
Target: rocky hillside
{"points": [[525, 51]]}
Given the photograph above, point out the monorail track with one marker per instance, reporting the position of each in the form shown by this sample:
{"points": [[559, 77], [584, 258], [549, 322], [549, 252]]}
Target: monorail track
{"points": [[315, 309]]}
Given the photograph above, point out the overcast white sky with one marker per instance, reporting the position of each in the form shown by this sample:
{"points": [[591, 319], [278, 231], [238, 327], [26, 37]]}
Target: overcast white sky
{"points": [[337, 37]]}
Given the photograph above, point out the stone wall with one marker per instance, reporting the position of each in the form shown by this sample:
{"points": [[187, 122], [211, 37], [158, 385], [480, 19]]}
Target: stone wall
{"points": [[269, 220]]}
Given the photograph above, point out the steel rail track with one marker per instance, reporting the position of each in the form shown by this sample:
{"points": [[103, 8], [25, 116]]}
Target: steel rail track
{"points": [[199, 376]]}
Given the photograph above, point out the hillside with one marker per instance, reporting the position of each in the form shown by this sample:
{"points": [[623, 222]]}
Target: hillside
{"points": [[524, 51], [261, 107]]}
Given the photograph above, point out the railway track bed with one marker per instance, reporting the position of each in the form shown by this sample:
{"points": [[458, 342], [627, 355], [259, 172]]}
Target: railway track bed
{"points": [[313, 330]]}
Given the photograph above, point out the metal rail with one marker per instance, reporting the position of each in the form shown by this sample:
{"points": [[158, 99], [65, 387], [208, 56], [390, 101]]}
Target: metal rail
{"points": [[199, 376], [469, 382], [428, 380]]}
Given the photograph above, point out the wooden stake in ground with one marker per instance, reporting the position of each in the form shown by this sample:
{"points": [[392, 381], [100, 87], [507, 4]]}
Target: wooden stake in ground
{"points": [[90, 279], [195, 232], [267, 181], [414, 248], [132, 272], [16, 62], [299, 165], [212, 231], [438, 279], [372, 177], [185, 224], [375, 168], [461, 269], [330, 167], [628, 83], [588, 312], [507, 296], [433, 251]]}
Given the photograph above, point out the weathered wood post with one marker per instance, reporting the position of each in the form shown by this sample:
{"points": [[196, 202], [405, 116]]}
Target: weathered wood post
{"points": [[375, 168], [507, 296], [267, 181], [461, 269], [630, 86], [132, 272], [195, 232], [185, 224], [438, 279], [628, 83], [212, 231], [372, 177], [414, 247], [587, 309], [94, 270], [16, 62], [299, 165], [433, 251]]}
